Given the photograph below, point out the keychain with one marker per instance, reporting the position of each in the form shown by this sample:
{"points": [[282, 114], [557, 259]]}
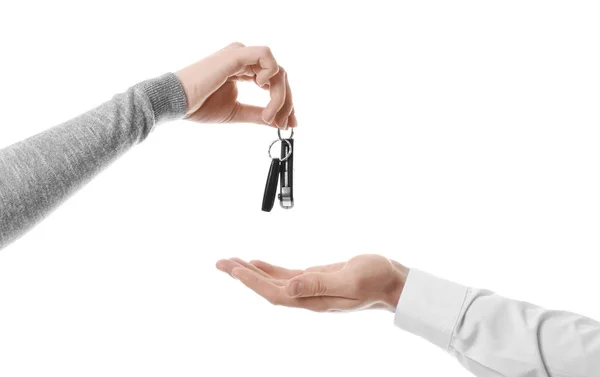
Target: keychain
{"points": [[282, 171]]}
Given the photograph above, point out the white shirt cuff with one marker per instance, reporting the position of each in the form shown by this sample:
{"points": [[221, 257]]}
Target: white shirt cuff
{"points": [[430, 307]]}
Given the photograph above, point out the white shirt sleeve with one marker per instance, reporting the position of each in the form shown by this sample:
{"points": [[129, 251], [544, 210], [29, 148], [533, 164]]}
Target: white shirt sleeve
{"points": [[493, 336]]}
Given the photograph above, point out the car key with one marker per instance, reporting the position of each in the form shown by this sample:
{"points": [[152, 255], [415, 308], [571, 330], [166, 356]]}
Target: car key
{"points": [[271, 185]]}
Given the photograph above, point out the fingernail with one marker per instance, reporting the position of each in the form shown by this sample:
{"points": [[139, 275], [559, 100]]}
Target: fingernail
{"points": [[295, 288]]}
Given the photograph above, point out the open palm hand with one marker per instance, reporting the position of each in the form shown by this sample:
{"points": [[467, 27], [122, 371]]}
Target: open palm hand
{"points": [[365, 281]]}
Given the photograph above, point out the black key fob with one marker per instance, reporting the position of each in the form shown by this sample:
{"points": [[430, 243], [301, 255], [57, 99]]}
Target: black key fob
{"points": [[271, 185]]}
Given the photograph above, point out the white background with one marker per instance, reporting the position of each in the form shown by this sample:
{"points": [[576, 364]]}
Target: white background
{"points": [[460, 137]]}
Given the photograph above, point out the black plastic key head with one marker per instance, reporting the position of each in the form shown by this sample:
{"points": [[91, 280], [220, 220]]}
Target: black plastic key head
{"points": [[271, 186]]}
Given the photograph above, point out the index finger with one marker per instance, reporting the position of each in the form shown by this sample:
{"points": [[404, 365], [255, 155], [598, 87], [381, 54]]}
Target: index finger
{"points": [[261, 56]]}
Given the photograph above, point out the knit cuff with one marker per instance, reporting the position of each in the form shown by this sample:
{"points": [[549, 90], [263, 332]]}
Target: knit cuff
{"points": [[166, 96]]}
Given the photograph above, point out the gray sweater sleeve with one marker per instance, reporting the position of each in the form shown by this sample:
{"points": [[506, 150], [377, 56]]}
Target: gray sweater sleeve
{"points": [[39, 173]]}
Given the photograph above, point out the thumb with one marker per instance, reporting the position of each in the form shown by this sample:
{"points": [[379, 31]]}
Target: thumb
{"points": [[313, 284], [248, 114]]}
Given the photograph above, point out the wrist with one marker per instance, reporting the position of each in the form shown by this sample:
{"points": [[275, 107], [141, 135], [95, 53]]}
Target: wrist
{"points": [[166, 96], [400, 274], [184, 78]]}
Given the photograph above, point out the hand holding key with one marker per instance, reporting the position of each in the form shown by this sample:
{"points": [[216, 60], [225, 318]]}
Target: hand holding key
{"points": [[211, 93], [211, 90], [363, 282]]}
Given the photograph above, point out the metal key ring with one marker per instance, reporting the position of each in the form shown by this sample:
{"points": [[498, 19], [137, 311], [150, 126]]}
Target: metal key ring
{"points": [[279, 134], [289, 151]]}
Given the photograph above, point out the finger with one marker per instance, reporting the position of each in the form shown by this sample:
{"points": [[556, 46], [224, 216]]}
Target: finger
{"points": [[276, 271], [284, 273], [251, 267], [227, 266], [312, 284], [258, 283], [245, 74], [256, 70], [248, 114], [277, 90], [281, 119], [293, 122], [259, 56]]}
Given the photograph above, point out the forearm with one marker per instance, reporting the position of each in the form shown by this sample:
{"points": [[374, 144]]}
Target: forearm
{"points": [[495, 336], [39, 173]]}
